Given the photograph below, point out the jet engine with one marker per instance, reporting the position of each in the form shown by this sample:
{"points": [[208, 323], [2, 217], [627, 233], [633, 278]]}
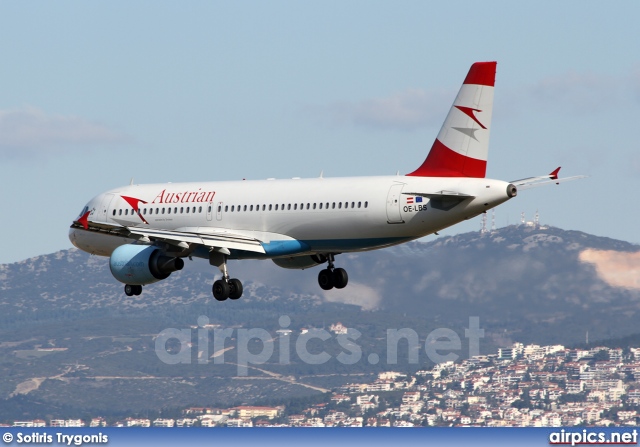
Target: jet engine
{"points": [[300, 262], [142, 264]]}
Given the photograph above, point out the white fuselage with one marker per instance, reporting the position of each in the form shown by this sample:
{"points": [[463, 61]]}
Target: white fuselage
{"points": [[292, 217]]}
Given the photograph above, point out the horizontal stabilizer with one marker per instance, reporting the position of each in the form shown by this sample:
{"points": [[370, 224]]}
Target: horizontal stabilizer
{"points": [[534, 182]]}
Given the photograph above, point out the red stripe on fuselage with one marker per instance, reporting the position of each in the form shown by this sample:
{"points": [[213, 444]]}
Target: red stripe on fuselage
{"points": [[443, 162]]}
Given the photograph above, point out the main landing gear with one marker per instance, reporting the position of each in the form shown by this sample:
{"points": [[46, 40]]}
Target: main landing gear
{"points": [[224, 288], [130, 290], [332, 277], [227, 288]]}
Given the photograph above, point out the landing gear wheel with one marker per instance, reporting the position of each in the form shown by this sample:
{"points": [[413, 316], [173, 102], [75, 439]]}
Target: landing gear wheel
{"points": [[128, 290], [137, 290], [220, 290], [325, 279], [340, 278], [235, 289]]}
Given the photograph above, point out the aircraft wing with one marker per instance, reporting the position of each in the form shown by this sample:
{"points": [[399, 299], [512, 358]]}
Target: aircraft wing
{"points": [[533, 182], [183, 239]]}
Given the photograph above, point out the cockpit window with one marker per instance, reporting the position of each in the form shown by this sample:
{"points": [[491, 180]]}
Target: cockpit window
{"points": [[84, 210]]}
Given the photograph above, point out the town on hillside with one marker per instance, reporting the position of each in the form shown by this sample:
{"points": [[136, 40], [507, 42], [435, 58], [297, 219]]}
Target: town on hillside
{"points": [[520, 386]]}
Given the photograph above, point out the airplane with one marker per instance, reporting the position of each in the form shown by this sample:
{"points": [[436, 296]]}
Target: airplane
{"points": [[148, 230]]}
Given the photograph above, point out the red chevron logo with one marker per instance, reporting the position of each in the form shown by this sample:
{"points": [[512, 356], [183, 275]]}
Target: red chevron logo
{"points": [[470, 112]]}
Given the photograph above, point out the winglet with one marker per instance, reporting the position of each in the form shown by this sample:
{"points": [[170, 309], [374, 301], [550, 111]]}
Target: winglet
{"points": [[554, 174], [84, 220]]}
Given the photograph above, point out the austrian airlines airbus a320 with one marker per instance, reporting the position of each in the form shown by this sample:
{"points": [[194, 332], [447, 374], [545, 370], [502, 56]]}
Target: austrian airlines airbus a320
{"points": [[147, 230]]}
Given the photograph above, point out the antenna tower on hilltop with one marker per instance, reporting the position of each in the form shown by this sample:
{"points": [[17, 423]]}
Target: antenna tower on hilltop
{"points": [[484, 224]]}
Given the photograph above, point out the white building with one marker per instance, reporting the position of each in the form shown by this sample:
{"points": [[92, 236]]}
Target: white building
{"points": [[164, 422]]}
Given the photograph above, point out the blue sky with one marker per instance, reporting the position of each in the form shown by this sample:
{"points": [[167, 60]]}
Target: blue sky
{"points": [[95, 93]]}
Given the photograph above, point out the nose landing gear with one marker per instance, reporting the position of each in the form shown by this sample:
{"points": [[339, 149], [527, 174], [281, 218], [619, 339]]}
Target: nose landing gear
{"points": [[332, 277]]}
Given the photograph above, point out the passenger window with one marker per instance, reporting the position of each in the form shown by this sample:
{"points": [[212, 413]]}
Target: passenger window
{"points": [[209, 209], [353, 204], [120, 212], [169, 210], [251, 208], [200, 210], [270, 207], [320, 205], [359, 204], [327, 205], [366, 204], [295, 206], [339, 205], [114, 212], [276, 207], [175, 210], [289, 206], [226, 208], [219, 208], [333, 206], [314, 206], [150, 210], [187, 210]]}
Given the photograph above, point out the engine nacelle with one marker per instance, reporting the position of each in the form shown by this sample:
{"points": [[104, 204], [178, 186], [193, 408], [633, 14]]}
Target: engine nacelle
{"points": [[142, 264], [300, 262]]}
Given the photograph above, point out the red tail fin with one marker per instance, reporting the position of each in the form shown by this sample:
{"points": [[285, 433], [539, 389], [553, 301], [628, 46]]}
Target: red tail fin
{"points": [[462, 146]]}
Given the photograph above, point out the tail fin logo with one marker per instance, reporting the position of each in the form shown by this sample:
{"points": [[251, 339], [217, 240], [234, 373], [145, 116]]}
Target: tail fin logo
{"points": [[470, 112], [453, 155], [469, 131]]}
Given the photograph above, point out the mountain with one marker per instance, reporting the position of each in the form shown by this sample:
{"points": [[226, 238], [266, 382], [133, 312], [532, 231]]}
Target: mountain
{"points": [[69, 336]]}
